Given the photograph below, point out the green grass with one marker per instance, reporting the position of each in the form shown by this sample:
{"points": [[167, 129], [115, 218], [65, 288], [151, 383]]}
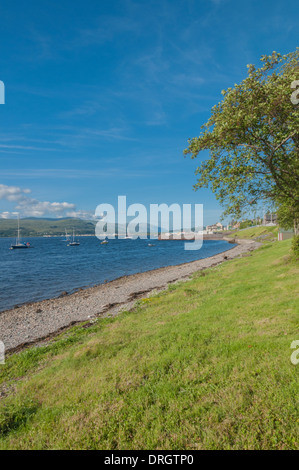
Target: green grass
{"points": [[204, 365], [262, 233]]}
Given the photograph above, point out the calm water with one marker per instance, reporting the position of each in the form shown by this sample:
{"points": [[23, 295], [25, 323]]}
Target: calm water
{"points": [[52, 267]]}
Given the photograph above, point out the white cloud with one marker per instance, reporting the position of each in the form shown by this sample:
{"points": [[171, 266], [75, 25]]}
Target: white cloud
{"points": [[6, 215], [34, 208], [31, 207], [26, 147], [12, 193], [85, 215]]}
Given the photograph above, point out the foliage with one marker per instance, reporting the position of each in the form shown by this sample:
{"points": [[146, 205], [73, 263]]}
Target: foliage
{"points": [[253, 139], [245, 224]]}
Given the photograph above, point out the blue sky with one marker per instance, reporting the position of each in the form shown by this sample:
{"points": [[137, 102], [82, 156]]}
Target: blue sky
{"points": [[102, 96]]}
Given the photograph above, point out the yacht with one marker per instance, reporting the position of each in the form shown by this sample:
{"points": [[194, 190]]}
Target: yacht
{"points": [[74, 242], [19, 245]]}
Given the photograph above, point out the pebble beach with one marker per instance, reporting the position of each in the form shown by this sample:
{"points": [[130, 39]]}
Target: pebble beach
{"points": [[36, 322]]}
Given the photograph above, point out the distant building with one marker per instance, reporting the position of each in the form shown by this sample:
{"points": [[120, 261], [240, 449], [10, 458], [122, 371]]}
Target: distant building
{"points": [[215, 227]]}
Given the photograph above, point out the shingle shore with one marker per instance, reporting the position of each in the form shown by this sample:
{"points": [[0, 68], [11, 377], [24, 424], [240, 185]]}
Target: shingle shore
{"points": [[36, 321]]}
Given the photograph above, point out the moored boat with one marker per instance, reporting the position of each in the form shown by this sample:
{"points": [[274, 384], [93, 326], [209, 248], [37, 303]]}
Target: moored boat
{"points": [[74, 242], [19, 245]]}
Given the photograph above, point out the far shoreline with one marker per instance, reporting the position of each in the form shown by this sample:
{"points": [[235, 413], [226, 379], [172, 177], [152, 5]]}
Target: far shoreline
{"points": [[206, 236]]}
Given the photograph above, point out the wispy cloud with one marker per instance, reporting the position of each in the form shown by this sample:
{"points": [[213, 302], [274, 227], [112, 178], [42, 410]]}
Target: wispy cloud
{"points": [[72, 173], [26, 147], [106, 29], [112, 134]]}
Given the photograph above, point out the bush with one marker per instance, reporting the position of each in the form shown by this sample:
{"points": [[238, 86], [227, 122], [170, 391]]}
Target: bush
{"points": [[295, 246]]}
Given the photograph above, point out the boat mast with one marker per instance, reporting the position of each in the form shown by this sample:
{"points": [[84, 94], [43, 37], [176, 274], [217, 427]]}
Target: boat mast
{"points": [[18, 237]]}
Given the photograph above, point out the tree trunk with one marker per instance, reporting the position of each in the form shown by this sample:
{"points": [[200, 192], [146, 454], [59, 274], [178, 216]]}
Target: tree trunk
{"points": [[296, 226]]}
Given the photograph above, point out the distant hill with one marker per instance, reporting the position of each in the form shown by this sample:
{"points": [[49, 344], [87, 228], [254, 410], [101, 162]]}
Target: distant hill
{"points": [[33, 227]]}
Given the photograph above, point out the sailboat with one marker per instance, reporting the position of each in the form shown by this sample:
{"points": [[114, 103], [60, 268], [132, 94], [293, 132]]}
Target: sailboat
{"points": [[74, 242], [19, 245], [67, 238]]}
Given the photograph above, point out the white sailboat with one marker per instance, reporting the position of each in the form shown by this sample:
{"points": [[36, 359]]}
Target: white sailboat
{"points": [[19, 244], [74, 242]]}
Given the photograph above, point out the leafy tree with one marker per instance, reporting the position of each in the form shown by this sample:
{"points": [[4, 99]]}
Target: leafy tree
{"points": [[246, 224], [253, 139]]}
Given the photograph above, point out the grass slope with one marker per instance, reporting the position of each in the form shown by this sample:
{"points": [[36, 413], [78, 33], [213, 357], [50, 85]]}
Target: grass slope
{"points": [[262, 233], [204, 365]]}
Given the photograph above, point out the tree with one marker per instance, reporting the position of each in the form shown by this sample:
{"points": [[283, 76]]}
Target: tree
{"points": [[246, 224], [253, 139]]}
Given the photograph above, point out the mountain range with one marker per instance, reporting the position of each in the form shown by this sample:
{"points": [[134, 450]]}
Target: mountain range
{"points": [[34, 227]]}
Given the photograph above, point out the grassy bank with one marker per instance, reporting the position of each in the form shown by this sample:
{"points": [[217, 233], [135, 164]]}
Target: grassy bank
{"points": [[205, 365], [262, 233]]}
